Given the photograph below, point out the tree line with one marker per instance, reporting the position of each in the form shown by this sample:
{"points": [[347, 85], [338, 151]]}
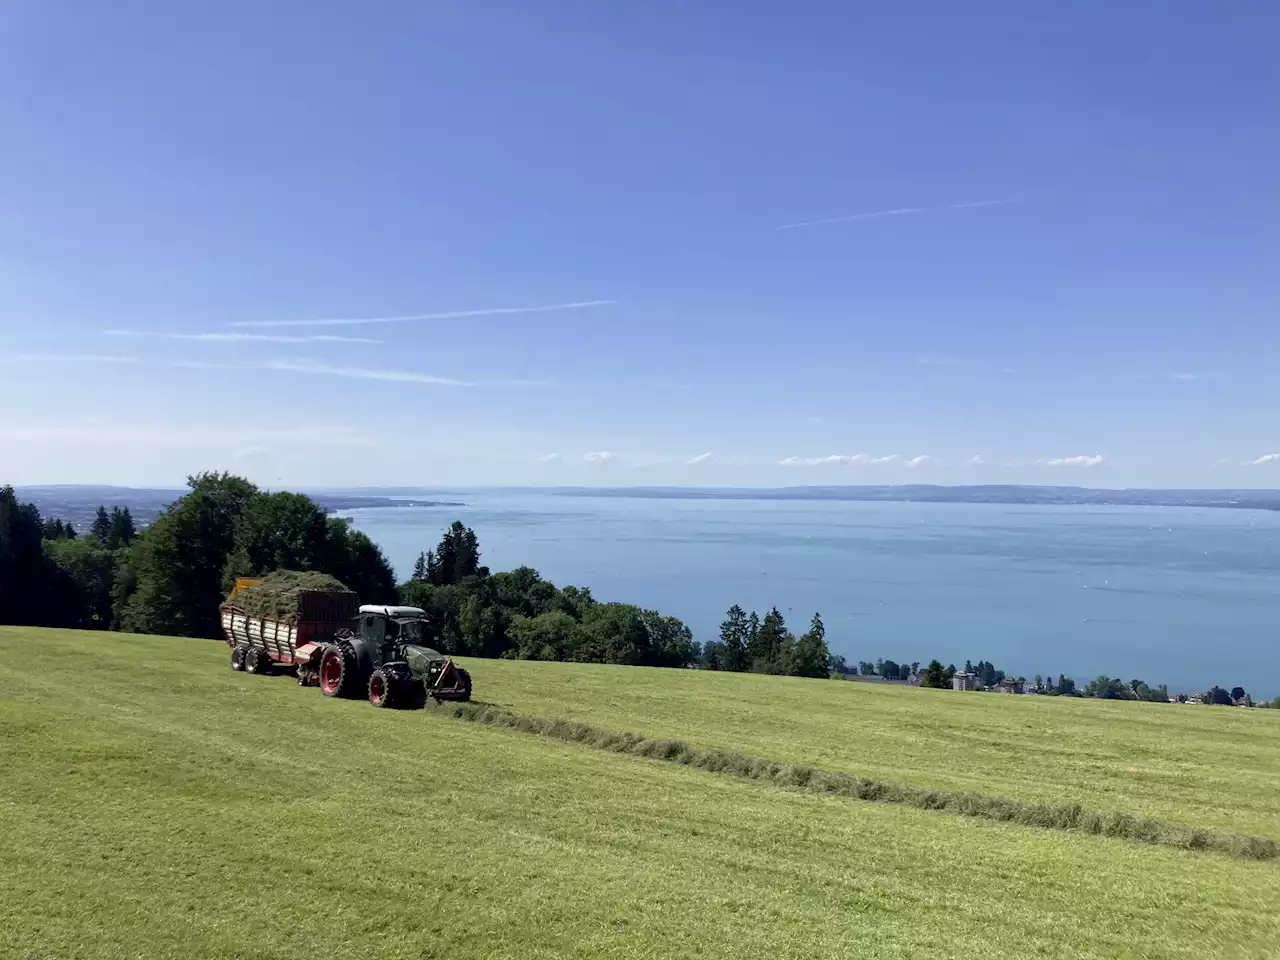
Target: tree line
{"points": [[750, 643], [171, 577]]}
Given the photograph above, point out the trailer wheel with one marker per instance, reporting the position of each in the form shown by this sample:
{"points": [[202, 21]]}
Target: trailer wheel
{"points": [[386, 689], [257, 662], [464, 679], [338, 671], [237, 656]]}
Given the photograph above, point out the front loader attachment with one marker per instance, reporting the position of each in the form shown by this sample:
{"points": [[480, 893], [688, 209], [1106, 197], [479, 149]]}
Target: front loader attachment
{"points": [[447, 681]]}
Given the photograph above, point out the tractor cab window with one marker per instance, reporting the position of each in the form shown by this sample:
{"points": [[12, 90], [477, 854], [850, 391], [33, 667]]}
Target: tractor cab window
{"points": [[411, 631], [374, 628]]}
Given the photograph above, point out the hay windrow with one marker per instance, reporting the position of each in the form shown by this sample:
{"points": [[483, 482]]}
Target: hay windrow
{"points": [[1068, 816]]}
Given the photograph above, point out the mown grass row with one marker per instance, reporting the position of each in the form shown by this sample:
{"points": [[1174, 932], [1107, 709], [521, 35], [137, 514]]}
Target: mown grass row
{"points": [[1071, 816]]}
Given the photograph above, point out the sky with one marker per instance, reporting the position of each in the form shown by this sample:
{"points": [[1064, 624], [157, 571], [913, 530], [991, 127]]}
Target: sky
{"points": [[723, 243]]}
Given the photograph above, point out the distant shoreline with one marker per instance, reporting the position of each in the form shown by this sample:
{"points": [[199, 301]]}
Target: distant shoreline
{"points": [[1019, 495]]}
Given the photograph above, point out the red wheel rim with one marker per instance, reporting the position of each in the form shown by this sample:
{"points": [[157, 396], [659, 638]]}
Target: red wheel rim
{"points": [[331, 673], [377, 691]]}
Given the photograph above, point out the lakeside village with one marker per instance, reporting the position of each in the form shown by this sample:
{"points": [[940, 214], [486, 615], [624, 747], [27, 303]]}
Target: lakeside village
{"points": [[985, 677]]}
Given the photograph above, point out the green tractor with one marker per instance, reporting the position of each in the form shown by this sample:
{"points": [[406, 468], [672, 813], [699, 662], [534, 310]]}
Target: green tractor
{"points": [[387, 661]]}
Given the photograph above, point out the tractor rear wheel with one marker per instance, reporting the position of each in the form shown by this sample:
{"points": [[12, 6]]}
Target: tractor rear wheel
{"points": [[237, 656], [339, 671], [386, 689], [464, 679], [257, 662]]}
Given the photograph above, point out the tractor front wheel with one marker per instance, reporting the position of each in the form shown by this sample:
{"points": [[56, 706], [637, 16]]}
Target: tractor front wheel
{"points": [[237, 656], [386, 689], [338, 671]]}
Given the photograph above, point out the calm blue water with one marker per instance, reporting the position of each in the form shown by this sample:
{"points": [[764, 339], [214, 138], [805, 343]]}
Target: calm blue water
{"points": [[1181, 596]]}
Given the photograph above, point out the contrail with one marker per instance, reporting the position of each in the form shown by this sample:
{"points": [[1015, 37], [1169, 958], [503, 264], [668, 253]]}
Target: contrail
{"points": [[900, 211], [978, 203], [851, 218], [447, 315]]}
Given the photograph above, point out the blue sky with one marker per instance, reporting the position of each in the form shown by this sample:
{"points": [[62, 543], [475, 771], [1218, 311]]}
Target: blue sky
{"points": [[766, 243]]}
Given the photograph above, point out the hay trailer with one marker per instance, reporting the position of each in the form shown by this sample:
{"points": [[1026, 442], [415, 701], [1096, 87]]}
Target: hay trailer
{"points": [[284, 630]]}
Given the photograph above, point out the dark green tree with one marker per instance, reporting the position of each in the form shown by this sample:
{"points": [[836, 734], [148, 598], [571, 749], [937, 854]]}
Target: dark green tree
{"points": [[1237, 693], [764, 648], [735, 633], [935, 675], [456, 558], [32, 590], [89, 574], [809, 654], [280, 531], [122, 531], [1105, 688], [101, 527], [176, 567], [420, 567], [1219, 696]]}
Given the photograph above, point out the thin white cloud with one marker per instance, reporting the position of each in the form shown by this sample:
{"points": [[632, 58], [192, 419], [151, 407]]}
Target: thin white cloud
{"points": [[1265, 458], [185, 435], [64, 358], [851, 459], [896, 212], [1185, 376], [978, 203], [833, 459], [307, 366], [944, 362], [549, 458], [238, 337], [700, 458], [600, 456], [1085, 460], [445, 315], [851, 218], [364, 373], [976, 460]]}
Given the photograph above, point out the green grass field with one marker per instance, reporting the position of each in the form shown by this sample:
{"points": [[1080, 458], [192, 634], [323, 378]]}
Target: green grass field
{"points": [[1207, 766], [155, 804]]}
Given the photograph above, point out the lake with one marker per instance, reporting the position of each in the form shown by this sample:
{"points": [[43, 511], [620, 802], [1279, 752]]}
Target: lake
{"points": [[1177, 595]]}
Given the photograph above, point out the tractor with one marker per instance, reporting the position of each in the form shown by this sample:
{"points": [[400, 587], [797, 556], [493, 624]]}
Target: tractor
{"points": [[386, 660]]}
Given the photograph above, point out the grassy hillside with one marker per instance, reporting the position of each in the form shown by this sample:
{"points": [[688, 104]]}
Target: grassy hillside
{"points": [[1208, 766], [157, 804]]}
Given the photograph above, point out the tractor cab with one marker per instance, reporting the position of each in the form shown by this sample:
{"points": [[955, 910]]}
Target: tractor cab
{"points": [[403, 633], [399, 624]]}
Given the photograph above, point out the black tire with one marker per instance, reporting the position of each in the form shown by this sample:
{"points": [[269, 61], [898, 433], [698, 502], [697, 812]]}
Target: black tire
{"points": [[257, 662], [464, 679], [237, 656], [387, 689], [340, 671]]}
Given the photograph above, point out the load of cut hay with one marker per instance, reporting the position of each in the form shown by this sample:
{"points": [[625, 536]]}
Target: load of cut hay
{"points": [[298, 595]]}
